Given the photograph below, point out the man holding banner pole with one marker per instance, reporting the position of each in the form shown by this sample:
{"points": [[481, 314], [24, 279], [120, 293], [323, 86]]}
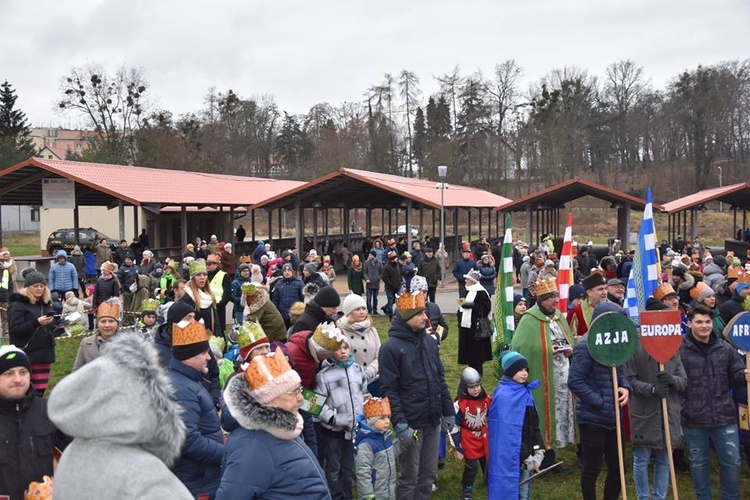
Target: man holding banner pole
{"points": [[657, 378], [709, 415]]}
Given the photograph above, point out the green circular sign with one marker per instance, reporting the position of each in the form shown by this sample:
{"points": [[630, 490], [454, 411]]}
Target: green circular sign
{"points": [[613, 339]]}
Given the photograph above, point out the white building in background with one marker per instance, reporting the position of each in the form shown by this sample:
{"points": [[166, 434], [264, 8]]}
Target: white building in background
{"points": [[19, 218]]}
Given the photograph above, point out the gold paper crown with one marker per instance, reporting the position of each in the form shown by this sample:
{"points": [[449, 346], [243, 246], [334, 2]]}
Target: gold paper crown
{"points": [[110, 309], [193, 333], [734, 272], [743, 278], [328, 336], [149, 305], [264, 369], [663, 290], [39, 491], [408, 302], [545, 286], [377, 407], [699, 289]]}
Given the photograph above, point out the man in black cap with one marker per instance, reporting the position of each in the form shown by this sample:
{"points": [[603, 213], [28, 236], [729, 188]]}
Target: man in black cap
{"points": [[372, 271], [27, 433], [616, 291], [579, 318], [322, 308]]}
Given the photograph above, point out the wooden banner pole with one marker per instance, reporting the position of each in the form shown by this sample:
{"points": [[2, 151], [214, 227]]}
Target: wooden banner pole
{"points": [[668, 440], [618, 427]]}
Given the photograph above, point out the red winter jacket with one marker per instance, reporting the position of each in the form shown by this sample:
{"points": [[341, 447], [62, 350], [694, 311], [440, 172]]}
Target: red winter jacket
{"points": [[304, 363]]}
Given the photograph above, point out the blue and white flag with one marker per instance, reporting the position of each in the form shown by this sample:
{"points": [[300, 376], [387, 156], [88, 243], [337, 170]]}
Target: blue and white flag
{"points": [[644, 275]]}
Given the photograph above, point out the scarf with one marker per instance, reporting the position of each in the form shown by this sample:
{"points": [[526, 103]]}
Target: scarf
{"points": [[470, 297], [344, 364]]}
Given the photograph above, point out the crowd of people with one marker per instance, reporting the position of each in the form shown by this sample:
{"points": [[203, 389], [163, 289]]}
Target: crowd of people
{"points": [[295, 394]]}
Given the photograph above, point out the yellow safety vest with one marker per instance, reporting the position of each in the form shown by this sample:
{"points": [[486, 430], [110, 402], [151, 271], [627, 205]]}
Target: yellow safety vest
{"points": [[4, 283], [216, 285]]}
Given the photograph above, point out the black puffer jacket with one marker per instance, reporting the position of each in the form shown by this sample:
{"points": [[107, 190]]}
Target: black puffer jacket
{"points": [[712, 369], [26, 439], [413, 378], [311, 318], [38, 342], [105, 290]]}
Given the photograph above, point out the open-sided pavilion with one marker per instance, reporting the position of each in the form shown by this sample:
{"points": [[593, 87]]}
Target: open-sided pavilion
{"points": [[543, 208], [683, 212], [397, 198]]}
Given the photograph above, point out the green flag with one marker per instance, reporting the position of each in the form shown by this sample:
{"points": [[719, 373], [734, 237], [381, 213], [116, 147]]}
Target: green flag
{"points": [[504, 318]]}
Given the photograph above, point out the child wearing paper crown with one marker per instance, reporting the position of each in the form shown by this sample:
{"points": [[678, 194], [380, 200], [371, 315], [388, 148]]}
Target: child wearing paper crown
{"points": [[375, 452], [344, 383], [516, 447], [107, 326], [472, 406]]}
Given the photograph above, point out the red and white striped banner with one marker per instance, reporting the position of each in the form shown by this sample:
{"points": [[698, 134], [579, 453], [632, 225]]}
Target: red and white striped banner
{"points": [[565, 270]]}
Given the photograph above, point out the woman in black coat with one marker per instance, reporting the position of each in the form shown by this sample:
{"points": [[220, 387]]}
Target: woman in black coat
{"points": [[31, 326], [471, 350]]}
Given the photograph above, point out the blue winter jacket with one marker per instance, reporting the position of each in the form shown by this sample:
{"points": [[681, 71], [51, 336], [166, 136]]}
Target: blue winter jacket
{"points": [[413, 378], [487, 277], [63, 277], [461, 267], [237, 290], [285, 293], [199, 464], [375, 461], [592, 385]]}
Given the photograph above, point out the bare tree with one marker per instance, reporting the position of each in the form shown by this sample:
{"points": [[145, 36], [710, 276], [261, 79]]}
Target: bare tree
{"points": [[409, 85], [450, 84]]}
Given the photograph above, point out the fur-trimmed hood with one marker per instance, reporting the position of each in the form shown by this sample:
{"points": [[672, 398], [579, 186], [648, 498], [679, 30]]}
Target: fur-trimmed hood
{"points": [[688, 282], [252, 415], [123, 397], [257, 300]]}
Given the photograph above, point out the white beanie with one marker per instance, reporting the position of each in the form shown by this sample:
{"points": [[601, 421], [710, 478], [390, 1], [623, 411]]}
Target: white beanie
{"points": [[352, 302]]}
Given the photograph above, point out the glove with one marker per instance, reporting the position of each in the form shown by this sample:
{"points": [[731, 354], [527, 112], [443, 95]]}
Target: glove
{"points": [[528, 463], [447, 424], [403, 431], [660, 390], [537, 458], [665, 378]]}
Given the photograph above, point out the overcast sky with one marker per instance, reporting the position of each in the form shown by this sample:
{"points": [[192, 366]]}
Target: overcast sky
{"points": [[307, 52]]}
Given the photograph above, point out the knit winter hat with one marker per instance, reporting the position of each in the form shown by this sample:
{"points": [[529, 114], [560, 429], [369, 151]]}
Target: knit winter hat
{"points": [[576, 291], [311, 267], [11, 357], [517, 298], [250, 337], [197, 267], [700, 292], [327, 297], [178, 310], [31, 276], [242, 267], [352, 302], [287, 267], [189, 338], [418, 284], [513, 362], [270, 376]]}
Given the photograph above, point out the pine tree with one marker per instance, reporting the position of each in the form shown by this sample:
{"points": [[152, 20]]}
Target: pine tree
{"points": [[419, 147], [15, 140]]}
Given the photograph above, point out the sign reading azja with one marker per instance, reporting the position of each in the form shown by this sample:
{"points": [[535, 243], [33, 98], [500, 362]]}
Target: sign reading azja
{"points": [[612, 339], [661, 334]]}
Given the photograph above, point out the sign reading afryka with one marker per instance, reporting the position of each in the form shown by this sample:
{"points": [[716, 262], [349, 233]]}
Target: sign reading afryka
{"points": [[612, 339], [738, 331], [661, 334]]}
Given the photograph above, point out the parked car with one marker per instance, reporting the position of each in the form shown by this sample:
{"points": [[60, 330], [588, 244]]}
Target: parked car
{"points": [[64, 239]]}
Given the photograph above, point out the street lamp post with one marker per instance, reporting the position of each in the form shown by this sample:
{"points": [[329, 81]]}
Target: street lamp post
{"points": [[442, 173], [721, 205]]}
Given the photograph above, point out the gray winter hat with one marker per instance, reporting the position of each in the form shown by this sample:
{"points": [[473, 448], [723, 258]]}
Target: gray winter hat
{"points": [[31, 276]]}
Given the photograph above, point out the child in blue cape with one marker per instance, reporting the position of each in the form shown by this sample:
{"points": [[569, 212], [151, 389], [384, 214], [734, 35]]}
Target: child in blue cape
{"points": [[516, 448]]}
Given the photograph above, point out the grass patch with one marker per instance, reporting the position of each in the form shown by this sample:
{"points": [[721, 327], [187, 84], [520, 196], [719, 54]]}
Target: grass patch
{"points": [[22, 243], [554, 487]]}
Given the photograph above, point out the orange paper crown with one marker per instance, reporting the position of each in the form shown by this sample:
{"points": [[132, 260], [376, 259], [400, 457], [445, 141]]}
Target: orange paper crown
{"points": [[734, 272], [663, 290], [265, 369], [545, 286], [192, 333], [110, 309], [408, 302], [699, 289], [39, 491], [377, 407], [743, 278]]}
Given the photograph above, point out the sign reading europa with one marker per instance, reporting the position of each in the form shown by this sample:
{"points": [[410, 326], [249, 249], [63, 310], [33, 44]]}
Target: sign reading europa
{"points": [[661, 334]]}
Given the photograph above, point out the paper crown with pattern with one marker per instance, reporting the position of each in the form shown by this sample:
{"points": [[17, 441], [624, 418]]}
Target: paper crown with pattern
{"points": [[109, 309], [249, 288], [174, 265], [250, 336], [408, 301], [734, 272], [663, 291], [269, 377], [245, 259], [328, 336], [545, 286], [700, 291], [744, 277], [109, 266], [149, 305], [377, 407], [191, 333], [197, 267], [39, 491]]}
